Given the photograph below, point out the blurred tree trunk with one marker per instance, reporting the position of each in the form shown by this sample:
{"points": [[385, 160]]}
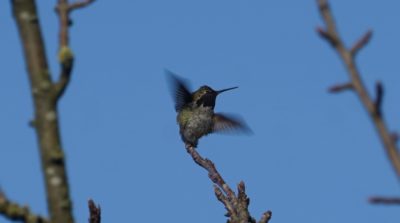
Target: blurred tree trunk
{"points": [[46, 94]]}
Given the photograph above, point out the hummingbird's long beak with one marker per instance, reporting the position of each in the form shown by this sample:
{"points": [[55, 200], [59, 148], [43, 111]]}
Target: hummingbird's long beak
{"points": [[227, 89]]}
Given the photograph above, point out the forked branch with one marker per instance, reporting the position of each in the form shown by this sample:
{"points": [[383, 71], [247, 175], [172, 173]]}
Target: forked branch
{"points": [[374, 107], [236, 205], [46, 94]]}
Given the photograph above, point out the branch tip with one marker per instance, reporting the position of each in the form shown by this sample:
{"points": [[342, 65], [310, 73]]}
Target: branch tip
{"points": [[361, 43], [79, 4], [241, 187], [379, 98], [341, 87], [385, 200], [95, 212], [266, 217]]}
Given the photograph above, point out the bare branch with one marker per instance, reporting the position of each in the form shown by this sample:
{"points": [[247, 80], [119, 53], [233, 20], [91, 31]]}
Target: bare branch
{"points": [[95, 212], [16, 212], [237, 206], [46, 95], [385, 200], [212, 171], [373, 107], [46, 115], [361, 43], [330, 32]]}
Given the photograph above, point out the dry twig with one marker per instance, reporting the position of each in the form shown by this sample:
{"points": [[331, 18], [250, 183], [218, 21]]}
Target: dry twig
{"points": [[236, 205]]}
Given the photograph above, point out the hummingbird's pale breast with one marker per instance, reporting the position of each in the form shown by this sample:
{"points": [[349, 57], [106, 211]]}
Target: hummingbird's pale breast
{"points": [[195, 122]]}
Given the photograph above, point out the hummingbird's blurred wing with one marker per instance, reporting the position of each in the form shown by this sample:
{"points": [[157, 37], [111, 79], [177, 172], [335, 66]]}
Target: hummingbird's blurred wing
{"points": [[180, 92], [228, 123]]}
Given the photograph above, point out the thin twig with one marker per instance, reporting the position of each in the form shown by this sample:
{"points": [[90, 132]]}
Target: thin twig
{"points": [[95, 212], [341, 87], [80, 4], [326, 35], [16, 212], [65, 54], [385, 200], [348, 58], [266, 217], [212, 171], [364, 40]]}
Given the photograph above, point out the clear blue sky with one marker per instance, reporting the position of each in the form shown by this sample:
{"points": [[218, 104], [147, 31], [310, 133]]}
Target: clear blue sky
{"points": [[314, 157]]}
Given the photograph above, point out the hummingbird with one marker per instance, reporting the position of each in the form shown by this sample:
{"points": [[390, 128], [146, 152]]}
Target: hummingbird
{"points": [[196, 116]]}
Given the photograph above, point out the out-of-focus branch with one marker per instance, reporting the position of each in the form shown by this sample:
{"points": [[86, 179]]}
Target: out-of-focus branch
{"points": [[236, 205], [341, 87], [348, 57], [94, 211], [361, 43], [79, 4], [266, 217], [385, 200], [16, 212], [46, 115], [65, 54], [379, 98], [46, 95]]}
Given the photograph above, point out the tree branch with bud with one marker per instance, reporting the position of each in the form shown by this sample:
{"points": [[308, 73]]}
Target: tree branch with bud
{"points": [[46, 94]]}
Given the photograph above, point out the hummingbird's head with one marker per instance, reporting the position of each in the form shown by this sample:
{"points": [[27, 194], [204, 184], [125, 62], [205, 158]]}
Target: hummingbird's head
{"points": [[202, 92], [206, 96]]}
